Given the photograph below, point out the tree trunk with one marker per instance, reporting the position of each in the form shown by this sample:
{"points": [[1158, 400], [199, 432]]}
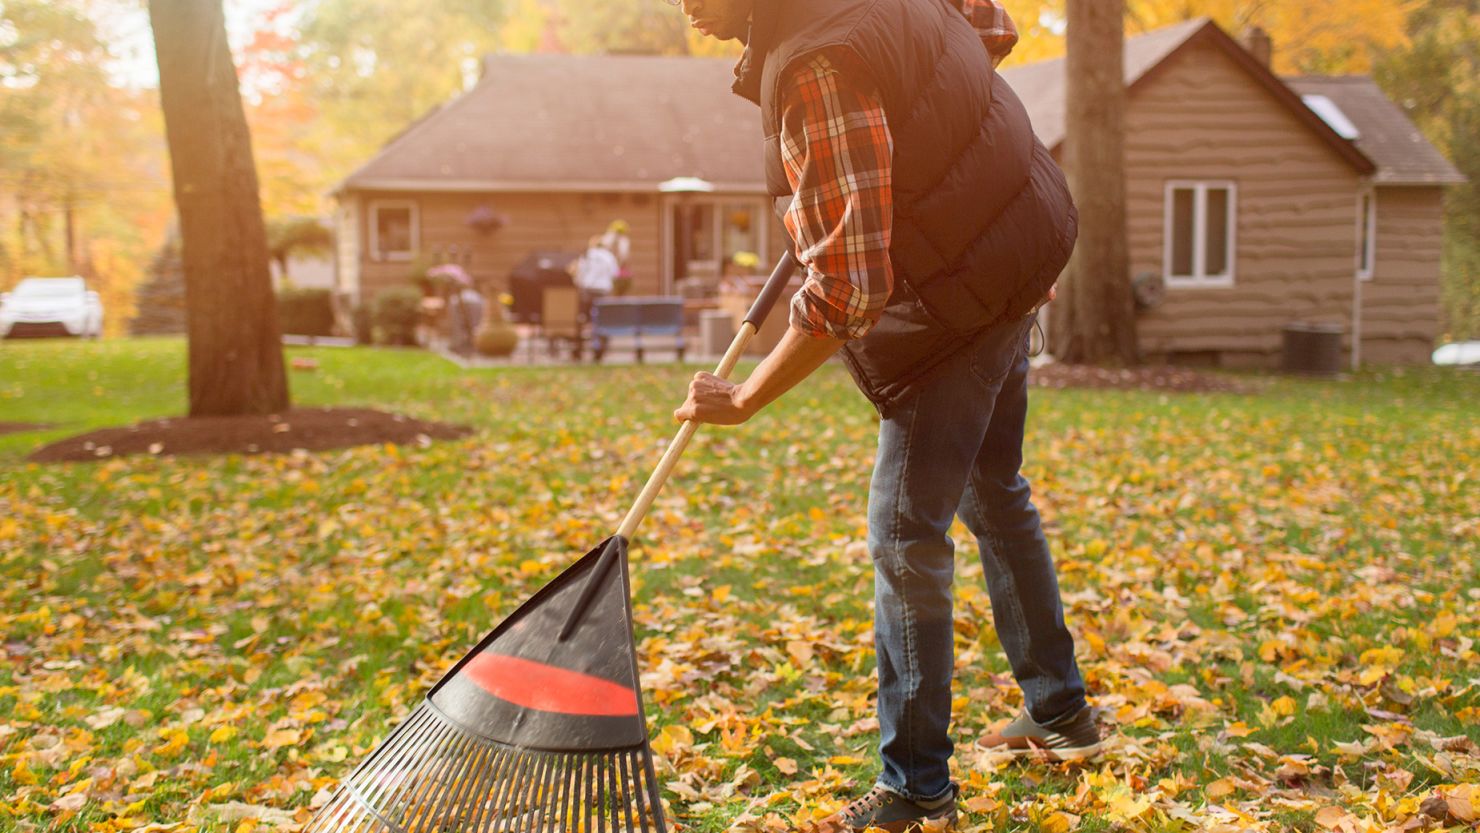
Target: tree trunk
{"points": [[236, 354], [1095, 317]]}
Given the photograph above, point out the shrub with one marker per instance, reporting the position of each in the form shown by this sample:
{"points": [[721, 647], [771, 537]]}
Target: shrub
{"points": [[306, 312], [397, 312]]}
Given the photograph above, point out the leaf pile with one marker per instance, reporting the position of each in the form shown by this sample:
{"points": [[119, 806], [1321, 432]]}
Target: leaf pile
{"points": [[1274, 597]]}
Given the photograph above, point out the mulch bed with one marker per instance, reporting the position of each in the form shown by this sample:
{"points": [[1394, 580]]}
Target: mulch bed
{"points": [[1164, 378], [311, 429], [17, 427]]}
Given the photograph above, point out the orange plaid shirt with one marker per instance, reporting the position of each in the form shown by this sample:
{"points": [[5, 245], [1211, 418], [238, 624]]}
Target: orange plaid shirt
{"points": [[839, 157]]}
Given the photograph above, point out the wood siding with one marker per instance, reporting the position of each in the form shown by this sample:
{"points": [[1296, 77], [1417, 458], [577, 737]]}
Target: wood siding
{"points": [[1400, 305], [1202, 118], [536, 221]]}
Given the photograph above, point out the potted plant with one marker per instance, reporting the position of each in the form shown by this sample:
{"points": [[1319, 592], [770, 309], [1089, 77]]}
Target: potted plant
{"points": [[497, 337]]}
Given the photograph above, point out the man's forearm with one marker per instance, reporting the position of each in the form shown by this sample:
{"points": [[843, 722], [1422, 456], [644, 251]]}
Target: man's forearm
{"points": [[793, 360]]}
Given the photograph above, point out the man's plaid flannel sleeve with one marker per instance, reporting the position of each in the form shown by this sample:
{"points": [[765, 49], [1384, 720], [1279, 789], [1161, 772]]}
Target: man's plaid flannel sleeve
{"points": [[838, 155]]}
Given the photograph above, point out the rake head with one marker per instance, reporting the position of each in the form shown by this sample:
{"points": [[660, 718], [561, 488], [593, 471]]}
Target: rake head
{"points": [[527, 733]]}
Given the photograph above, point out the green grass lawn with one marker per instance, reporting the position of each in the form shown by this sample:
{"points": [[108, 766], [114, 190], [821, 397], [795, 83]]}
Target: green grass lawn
{"points": [[1274, 595]]}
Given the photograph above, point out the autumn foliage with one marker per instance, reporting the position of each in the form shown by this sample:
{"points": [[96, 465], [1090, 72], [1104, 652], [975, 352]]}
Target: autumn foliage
{"points": [[1274, 594]]}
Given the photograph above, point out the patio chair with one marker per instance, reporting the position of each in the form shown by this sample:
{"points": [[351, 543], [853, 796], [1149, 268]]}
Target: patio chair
{"points": [[560, 319]]}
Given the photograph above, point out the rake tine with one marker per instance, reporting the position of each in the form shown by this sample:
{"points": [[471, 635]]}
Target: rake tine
{"points": [[504, 790], [457, 775], [600, 794], [613, 778], [660, 823], [592, 765], [568, 800], [410, 773], [612, 805], [652, 804], [626, 797], [524, 801], [453, 753], [365, 772], [403, 812], [471, 774], [489, 786], [535, 794], [637, 791], [549, 789], [384, 779], [562, 791]]}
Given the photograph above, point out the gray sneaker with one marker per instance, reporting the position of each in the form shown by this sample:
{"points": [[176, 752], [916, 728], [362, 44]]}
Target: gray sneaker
{"points": [[1072, 739], [886, 810]]}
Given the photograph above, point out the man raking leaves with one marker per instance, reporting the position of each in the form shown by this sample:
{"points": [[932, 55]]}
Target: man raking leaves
{"points": [[932, 224]]}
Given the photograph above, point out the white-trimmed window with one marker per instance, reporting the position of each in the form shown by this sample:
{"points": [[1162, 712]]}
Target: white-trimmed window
{"points": [[1366, 234], [395, 229], [1201, 219]]}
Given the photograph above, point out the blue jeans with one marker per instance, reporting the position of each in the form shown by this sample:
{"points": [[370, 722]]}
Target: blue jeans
{"points": [[955, 449]]}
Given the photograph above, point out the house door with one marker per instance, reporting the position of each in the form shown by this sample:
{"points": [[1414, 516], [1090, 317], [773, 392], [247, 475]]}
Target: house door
{"points": [[702, 232]]}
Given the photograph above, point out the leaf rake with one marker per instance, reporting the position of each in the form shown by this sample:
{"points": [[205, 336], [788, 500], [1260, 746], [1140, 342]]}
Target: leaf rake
{"points": [[540, 727]]}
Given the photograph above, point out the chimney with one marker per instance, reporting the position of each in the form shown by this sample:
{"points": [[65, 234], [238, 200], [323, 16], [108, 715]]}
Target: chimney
{"points": [[1259, 44]]}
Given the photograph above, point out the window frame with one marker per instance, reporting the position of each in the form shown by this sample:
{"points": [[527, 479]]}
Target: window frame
{"points": [[716, 201], [1366, 233], [373, 222], [1199, 278]]}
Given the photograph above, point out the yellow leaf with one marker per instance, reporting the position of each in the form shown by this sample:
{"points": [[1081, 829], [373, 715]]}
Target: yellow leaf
{"points": [[672, 738], [1331, 817], [844, 760], [530, 567], [281, 738], [1220, 789], [1122, 805], [982, 804], [21, 774], [1058, 823], [223, 734], [1239, 730], [1284, 706], [800, 651], [786, 766]]}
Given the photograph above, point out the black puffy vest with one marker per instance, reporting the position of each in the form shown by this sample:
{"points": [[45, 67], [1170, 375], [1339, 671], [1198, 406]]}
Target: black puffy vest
{"points": [[983, 220]]}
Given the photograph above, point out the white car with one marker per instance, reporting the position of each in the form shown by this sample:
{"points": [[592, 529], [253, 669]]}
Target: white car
{"points": [[51, 306]]}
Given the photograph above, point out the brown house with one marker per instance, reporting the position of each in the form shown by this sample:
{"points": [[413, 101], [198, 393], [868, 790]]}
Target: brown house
{"points": [[1259, 201], [564, 145]]}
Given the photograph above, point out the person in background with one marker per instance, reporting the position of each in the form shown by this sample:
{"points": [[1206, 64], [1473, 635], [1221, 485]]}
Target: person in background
{"points": [[616, 241], [595, 273]]}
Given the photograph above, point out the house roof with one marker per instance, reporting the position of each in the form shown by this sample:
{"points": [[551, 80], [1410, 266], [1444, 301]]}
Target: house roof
{"points": [[1042, 86], [579, 123], [629, 122], [1385, 134]]}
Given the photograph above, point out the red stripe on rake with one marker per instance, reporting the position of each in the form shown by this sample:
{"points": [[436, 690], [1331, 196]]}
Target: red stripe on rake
{"points": [[546, 688]]}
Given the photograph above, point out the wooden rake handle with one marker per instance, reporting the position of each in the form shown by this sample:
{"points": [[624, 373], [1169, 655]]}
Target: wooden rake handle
{"points": [[759, 311], [753, 320]]}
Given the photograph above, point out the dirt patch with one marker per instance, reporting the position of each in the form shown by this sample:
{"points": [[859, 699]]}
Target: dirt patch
{"points": [[312, 429], [1164, 378], [17, 427]]}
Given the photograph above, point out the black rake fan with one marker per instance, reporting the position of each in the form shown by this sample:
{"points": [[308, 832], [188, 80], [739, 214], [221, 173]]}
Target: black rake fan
{"points": [[540, 727]]}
